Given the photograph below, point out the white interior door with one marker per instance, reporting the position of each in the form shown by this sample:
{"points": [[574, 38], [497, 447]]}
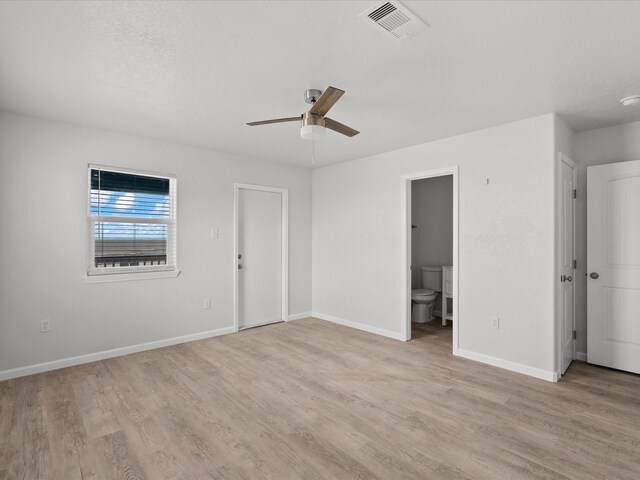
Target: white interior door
{"points": [[260, 257], [613, 251], [567, 185]]}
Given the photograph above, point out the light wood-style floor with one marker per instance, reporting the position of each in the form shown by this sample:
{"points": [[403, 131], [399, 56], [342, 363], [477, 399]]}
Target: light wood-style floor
{"points": [[310, 399]]}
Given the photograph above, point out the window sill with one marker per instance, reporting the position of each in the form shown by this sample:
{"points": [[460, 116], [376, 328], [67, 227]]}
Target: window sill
{"points": [[127, 277]]}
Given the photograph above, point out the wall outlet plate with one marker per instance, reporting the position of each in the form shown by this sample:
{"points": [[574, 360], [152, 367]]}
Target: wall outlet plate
{"points": [[45, 325], [495, 322], [207, 303]]}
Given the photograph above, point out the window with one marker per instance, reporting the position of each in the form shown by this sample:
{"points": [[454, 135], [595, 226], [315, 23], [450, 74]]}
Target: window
{"points": [[131, 221]]}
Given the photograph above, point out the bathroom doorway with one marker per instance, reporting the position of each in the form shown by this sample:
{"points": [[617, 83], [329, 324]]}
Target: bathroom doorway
{"points": [[430, 207]]}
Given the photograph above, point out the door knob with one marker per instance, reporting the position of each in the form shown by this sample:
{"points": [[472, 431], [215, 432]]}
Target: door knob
{"points": [[595, 275], [240, 267]]}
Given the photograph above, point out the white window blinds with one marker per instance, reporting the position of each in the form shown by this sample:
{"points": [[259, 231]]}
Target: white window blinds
{"points": [[131, 221]]}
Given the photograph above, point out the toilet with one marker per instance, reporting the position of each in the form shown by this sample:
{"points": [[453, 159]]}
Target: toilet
{"points": [[424, 299]]}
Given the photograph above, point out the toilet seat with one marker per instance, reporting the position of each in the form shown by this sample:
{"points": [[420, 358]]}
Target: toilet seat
{"points": [[421, 293]]}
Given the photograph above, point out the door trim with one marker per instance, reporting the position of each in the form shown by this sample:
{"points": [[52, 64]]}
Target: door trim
{"points": [[405, 310], [562, 158], [285, 247]]}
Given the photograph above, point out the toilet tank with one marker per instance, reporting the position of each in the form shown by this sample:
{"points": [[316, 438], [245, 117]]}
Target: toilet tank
{"points": [[431, 277]]}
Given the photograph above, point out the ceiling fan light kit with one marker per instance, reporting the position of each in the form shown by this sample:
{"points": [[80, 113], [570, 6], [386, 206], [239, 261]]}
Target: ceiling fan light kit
{"points": [[313, 126]]}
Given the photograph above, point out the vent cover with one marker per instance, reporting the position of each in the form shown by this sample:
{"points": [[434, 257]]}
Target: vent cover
{"points": [[393, 19]]}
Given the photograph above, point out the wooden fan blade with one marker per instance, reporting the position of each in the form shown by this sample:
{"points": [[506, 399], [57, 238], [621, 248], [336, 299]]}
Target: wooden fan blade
{"points": [[328, 98], [340, 127], [275, 120]]}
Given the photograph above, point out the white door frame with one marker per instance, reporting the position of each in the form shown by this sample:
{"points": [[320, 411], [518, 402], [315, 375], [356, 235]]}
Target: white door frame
{"points": [[405, 326], [562, 158], [285, 246]]}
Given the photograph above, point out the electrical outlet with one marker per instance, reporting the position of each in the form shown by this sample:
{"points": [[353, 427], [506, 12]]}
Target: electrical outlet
{"points": [[214, 235], [495, 322], [207, 303], [45, 325]]}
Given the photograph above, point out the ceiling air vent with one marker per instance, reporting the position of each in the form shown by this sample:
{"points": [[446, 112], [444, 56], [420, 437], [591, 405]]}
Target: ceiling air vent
{"points": [[394, 19]]}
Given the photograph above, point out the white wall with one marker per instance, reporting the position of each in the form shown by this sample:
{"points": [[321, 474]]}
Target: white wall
{"points": [[43, 188], [596, 147], [432, 213], [506, 234]]}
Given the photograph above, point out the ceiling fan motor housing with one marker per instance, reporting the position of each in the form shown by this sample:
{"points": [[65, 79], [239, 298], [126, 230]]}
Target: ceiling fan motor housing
{"points": [[313, 126]]}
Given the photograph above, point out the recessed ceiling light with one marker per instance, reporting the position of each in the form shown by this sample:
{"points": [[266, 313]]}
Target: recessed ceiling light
{"points": [[631, 100]]}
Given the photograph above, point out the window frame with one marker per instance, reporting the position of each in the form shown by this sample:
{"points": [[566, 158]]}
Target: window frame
{"points": [[108, 274]]}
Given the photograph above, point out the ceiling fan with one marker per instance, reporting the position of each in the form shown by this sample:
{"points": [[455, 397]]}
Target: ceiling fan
{"points": [[314, 121]]}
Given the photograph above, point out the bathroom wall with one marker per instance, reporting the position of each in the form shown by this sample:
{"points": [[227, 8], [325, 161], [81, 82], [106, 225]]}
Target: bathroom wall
{"points": [[432, 212]]}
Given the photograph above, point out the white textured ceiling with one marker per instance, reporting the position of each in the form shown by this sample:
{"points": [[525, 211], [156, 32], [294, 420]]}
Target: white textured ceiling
{"points": [[195, 72]]}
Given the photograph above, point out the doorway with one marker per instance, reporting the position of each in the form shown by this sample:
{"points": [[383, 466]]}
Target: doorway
{"points": [[260, 255], [413, 271]]}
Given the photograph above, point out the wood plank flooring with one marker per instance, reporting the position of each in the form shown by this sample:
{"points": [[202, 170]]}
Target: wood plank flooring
{"points": [[314, 400]]}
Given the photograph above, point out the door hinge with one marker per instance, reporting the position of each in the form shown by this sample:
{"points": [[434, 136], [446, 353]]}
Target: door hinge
{"points": [[575, 264], [575, 193], [575, 334]]}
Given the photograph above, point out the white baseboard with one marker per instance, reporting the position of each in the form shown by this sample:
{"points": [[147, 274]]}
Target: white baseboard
{"points": [[116, 352], [359, 326], [547, 375], [582, 356], [478, 357], [299, 316]]}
